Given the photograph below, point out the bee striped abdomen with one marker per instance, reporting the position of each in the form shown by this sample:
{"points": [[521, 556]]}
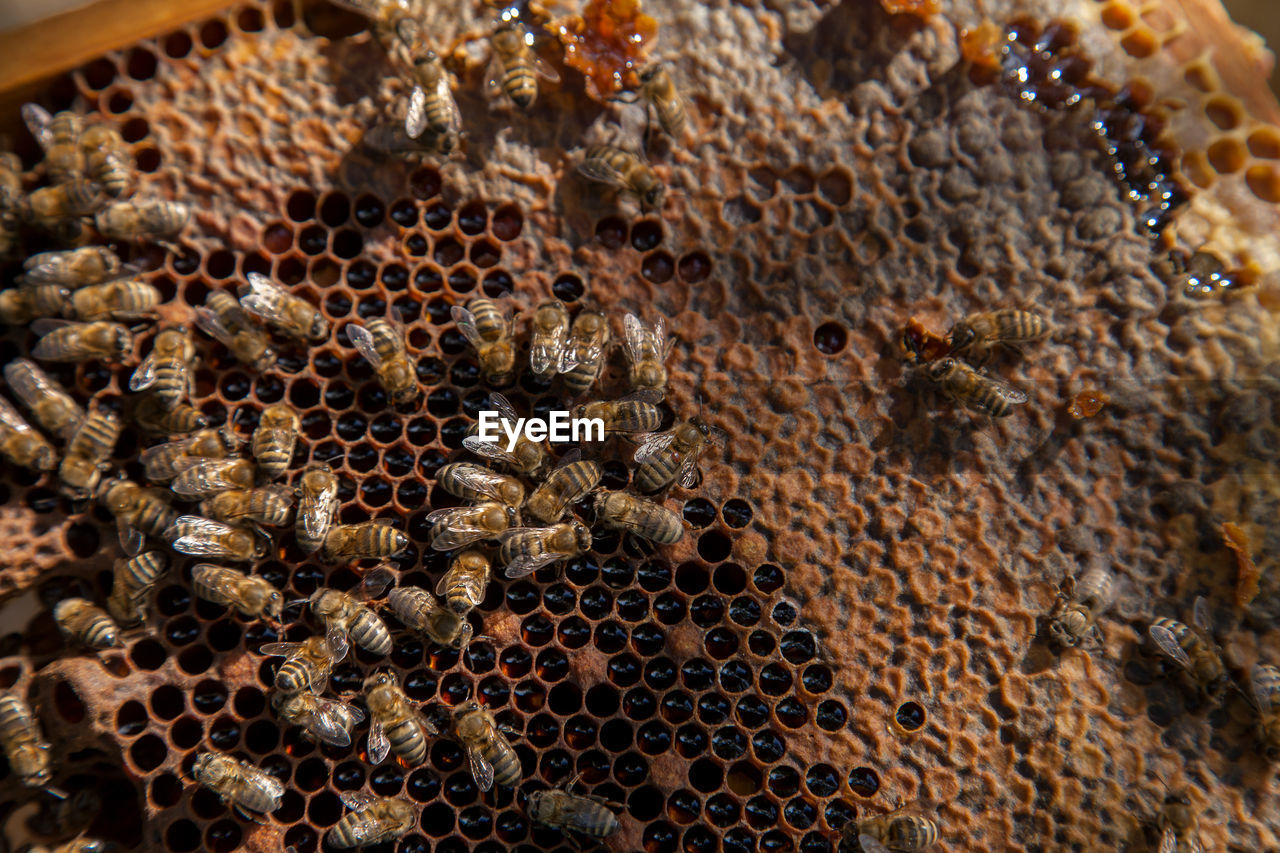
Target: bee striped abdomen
{"points": [[370, 633]]}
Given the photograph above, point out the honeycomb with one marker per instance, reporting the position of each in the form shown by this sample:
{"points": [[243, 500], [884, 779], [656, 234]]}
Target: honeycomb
{"points": [[853, 617]]}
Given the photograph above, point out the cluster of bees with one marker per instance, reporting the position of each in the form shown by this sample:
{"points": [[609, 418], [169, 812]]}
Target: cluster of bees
{"points": [[949, 362], [238, 501], [1194, 651], [433, 121]]}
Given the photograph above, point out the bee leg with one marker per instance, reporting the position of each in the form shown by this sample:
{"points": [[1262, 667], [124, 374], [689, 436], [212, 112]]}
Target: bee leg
{"points": [[248, 815]]}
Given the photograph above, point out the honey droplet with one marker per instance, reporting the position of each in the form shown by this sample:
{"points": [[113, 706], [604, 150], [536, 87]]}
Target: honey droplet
{"points": [[1087, 403]]}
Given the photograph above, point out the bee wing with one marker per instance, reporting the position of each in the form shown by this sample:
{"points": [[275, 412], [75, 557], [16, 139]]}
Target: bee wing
{"points": [[212, 474], [150, 453], [280, 649], [871, 844], [1200, 616], [483, 481], [688, 474], [266, 299], [1006, 392], [661, 343], [493, 77], [466, 322], [415, 118], [145, 375], [209, 323], [427, 726], [375, 583], [336, 637], [633, 337], [653, 443], [1261, 700], [273, 786], [357, 801], [598, 170], [37, 119], [362, 340], [317, 514], [482, 770], [503, 406], [329, 723], [199, 536], [542, 69], [379, 745], [454, 534], [1168, 840], [445, 94], [526, 564], [10, 418], [488, 449], [131, 539], [1168, 644]]}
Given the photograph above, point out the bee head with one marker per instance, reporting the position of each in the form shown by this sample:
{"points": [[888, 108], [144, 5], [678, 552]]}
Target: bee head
{"points": [[961, 335], [939, 369], [651, 198], [319, 328], [1061, 635], [582, 534], [464, 636]]}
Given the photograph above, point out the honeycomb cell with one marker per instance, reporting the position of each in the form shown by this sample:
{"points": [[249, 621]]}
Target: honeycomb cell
{"points": [[830, 338], [658, 267], [909, 717], [568, 288], [148, 752]]}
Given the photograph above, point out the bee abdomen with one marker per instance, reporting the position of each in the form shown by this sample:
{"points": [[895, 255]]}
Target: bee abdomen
{"points": [[293, 677], [654, 474], [408, 741], [911, 833], [519, 82], [506, 763], [370, 634]]}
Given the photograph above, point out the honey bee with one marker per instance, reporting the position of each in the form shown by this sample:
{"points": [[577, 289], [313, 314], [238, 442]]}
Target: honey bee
{"points": [[463, 525], [84, 623], [477, 483], [1192, 648], [58, 136], [382, 345], [977, 334], [134, 579], [291, 315], [432, 110], [87, 454], [642, 518], [489, 753], [106, 158], [346, 615], [72, 268], [667, 456], [636, 412], [239, 783], [56, 817], [489, 330], [323, 720], [372, 820], [463, 586], [588, 340], [271, 505], [565, 485], [125, 299], [317, 503], [21, 444], [627, 172], [974, 390], [560, 809], [526, 549], [1178, 825], [52, 407], [222, 319], [527, 457], [168, 460], [1264, 689], [49, 206], [898, 831], [515, 68], [646, 351], [274, 439], [199, 477], [369, 539], [23, 743], [167, 368], [67, 341], [21, 305], [203, 537], [253, 596], [151, 415], [10, 199], [549, 338], [419, 611], [659, 92], [396, 725], [138, 219], [1076, 615], [307, 664], [138, 511]]}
